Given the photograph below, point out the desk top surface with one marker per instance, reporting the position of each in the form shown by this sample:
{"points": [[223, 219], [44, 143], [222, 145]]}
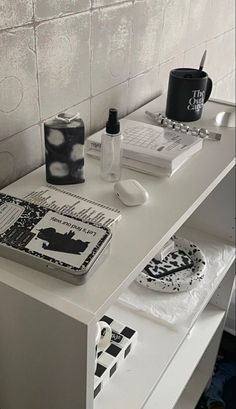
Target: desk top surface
{"points": [[141, 232]]}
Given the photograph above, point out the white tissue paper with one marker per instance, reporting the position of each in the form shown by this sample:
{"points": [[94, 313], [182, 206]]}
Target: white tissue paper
{"points": [[177, 310]]}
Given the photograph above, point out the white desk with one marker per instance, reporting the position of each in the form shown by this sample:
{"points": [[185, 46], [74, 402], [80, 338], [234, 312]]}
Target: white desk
{"points": [[49, 325]]}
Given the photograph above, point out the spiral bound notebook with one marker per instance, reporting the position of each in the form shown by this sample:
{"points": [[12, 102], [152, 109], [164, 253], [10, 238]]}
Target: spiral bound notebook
{"points": [[73, 205]]}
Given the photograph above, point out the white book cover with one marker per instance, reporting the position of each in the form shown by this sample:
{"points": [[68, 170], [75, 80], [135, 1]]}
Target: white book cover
{"points": [[160, 147]]}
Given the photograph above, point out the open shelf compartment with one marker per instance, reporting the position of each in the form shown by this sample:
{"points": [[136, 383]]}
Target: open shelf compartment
{"points": [[164, 359]]}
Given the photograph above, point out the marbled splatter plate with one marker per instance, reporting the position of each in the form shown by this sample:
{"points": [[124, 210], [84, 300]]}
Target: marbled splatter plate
{"points": [[180, 281]]}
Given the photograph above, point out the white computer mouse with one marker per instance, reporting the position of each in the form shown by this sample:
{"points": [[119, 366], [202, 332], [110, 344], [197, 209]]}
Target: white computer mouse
{"points": [[130, 192], [226, 119]]}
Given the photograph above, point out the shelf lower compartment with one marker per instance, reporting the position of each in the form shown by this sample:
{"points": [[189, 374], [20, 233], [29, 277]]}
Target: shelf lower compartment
{"points": [[201, 375], [192, 392], [187, 359], [164, 359], [157, 358]]}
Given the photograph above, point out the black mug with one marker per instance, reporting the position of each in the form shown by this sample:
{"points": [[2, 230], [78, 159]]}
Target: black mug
{"points": [[188, 90]]}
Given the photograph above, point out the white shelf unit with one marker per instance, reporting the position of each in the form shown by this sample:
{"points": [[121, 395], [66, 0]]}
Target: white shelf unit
{"points": [[148, 365], [210, 323], [202, 373], [47, 326], [165, 358]]}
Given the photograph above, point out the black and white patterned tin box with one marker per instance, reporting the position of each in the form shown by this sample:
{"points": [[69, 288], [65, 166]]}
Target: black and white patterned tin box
{"points": [[43, 239]]}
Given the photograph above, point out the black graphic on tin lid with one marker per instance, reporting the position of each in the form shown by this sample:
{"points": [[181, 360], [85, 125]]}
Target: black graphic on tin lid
{"points": [[61, 242]]}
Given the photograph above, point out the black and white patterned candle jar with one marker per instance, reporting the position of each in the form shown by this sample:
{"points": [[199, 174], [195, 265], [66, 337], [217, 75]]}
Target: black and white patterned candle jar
{"points": [[64, 149]]}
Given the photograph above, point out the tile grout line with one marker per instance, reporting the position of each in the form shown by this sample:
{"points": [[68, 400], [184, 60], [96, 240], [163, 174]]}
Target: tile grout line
{"points": [[89, 10], [90, 69], [36, 61], [111, 5], [38, 90], [40, 122]]}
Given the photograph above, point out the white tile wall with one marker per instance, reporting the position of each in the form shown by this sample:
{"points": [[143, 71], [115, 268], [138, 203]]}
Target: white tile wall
{"points": [[100, 3], [222, 17], [221, 55], [208, 19], [18, 81], [12, 15], [174, 32], [116, 97], [192, 57], [225, 88], [164, 70], [146, 38], [63, 62], [19, 154], [46, 9], [111, 31], [89, 55], [200, 15], [143, 88]]}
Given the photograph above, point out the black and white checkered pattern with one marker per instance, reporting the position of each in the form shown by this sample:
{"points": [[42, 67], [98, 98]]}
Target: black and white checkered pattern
{"points": [[123, 341]]}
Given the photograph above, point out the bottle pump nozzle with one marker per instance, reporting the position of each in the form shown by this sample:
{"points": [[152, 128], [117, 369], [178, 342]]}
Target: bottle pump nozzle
{"points": [[113, 125]]}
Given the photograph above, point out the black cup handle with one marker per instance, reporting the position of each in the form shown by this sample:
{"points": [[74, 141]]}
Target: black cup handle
{"points": [[208, 90]]}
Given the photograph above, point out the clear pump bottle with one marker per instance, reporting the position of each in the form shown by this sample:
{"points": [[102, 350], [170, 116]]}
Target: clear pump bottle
{"points": [[111, 149]]}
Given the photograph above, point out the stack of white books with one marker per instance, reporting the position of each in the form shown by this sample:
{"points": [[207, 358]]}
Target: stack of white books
{"points": [[149, 148]]}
